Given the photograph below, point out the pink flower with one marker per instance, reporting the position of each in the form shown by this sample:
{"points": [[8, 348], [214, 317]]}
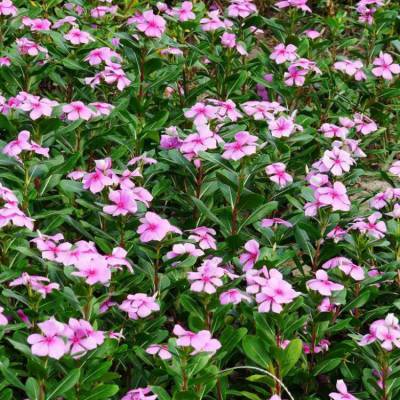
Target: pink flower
{"points": [[7, 8], [228, 40], [115, 74], [184, 13], [347, 266], [284, 53], [82, 337], [351, 68], [241, 8], [232, 296], [204, 236], [207, 277], [38, 107], [251, 255], [332, 131], [151, 25], [184, 337], [3, 318], [102, 54], [323, 285], [204, 139], [203, 342], [385, 67], [160, 350], [201, 113], [270, 222], [124, 203], [372, 226], [395, 168], [343, 393], [139, 394], [335, 196], [100, 178], [295, 76], [184, 248], [139, 305], [76, 36], [37, 24], [153, 227], [274, 293], [5, 61], [244, 145], [337, 161], [18, 145], [281, 127], [94, 270], [77, 110], [212, 22], [28, 47], [312, 34], [261, 110], [277, 173], [51, 343], [118, 258], [300, 4], [364, 124]]}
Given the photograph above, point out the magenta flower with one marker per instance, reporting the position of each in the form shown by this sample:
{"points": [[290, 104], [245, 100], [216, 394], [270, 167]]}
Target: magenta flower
{"points": [[384, 66], [203, 342], [160, 350], [77, 110], [295, 76], [270, 222], [153, 227], [284, 53], [244, 145], [372, 226], [347, 266], [323, 285], [38, 107], [212, 22], [241, 8], [139, 305], [102, 54], [124, 203], [335, 196], [334, 131], [251, 255], [343, 393], [51, 342], [76, 36], [185, 13], [151, 25], [277, 173], [204, 139], [281, 127], [201, 113], [18, 145]]}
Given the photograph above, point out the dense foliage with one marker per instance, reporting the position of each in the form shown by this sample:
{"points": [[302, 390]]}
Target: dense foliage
{"points": [[198, 200]]}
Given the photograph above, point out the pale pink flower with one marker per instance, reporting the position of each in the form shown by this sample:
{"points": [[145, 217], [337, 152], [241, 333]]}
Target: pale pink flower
{"points": [[139, 394], [153, 227], [373, 226], [51, 342], [37, 24], [244, 145], [160, 350], [395, 168], [204, 236], [7, 8], [76, 36], [101, 108], [345, 265], [277, 173], [77, 110], [241, 8], [102, 54], [124, 203], [281, 127], [5, 61], [201, 113], [364, 124], [227, 110], [270, 222], [343, 393], [232, 296], [337, 161], [151, 25], [30, 48], [139, 305], [384, 66], [337, 234], [284, 53], [228, 40], [18, 145], [396, 211], [251, 255], [261, 110], [184, 336], [295, 76], [335, 196], [212, 22], [82, 337], [184, 248], [67, 20], [207, 277], [332, 131], [203, 342], [118, 258], [3, 318], [185, 13], [351, 68], [38, 107], [323, 285], [94, 270], [312, 34], [204, 139], [115, 74], [300, 4]]}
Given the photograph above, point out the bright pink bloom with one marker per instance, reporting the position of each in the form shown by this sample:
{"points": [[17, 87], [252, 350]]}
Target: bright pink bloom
{"points": [[345, 265], [184, 13], [3, 318], [153, 227], [244, 145], [203, 342], [201, 113], [94, 270], [18, 145], [7, 8], [232, 296], [337, 161], [334, 131], [204, 236], [335, 196], [384, 66], [51, 343], [295, 76], [184, 248], [139, 394], [270, 222], [139, 305], [207, 277], [323, 285], [300, 4], [281, 127], [102, 54]]}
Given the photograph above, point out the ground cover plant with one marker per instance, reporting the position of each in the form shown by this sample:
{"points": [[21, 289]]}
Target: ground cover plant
{"points": [[199, 200]]}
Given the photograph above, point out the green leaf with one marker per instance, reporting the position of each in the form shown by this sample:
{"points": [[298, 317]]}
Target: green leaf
{"points": [[186, 396], [160, 392], [326, 366], [291, 355], [102, 392], [257, 350], [96, 373], [66, 384], [259, 213], [11, 377], [32, 388]]}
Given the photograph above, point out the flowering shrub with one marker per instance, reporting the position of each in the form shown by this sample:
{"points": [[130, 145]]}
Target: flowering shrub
{"points": [[198, 200]]}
